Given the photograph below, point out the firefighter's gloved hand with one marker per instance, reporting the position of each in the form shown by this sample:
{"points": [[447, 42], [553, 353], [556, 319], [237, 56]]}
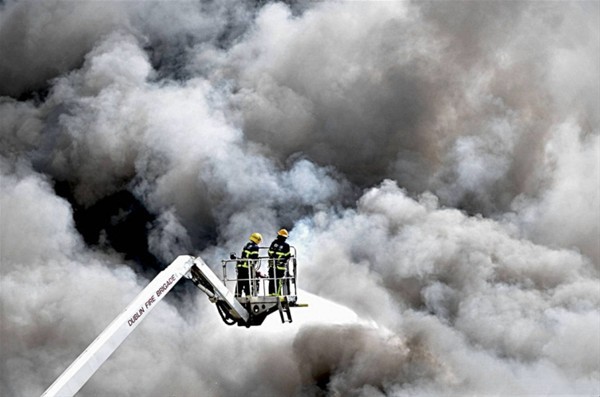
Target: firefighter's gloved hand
{"points": [[232, 255]]}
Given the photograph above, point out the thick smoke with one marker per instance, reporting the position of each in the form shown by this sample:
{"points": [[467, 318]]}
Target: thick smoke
{"points": [[437, 165]]}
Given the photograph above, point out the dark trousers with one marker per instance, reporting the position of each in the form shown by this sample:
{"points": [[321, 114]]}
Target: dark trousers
{"points": [[243, 283], [277, 286]]}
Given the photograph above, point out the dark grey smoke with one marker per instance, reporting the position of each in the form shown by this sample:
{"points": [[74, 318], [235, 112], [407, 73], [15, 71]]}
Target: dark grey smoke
{"points": [[437, 165]]}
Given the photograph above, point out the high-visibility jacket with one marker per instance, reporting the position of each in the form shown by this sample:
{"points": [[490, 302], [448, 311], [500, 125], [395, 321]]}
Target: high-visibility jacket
{"points": [[279, 253], [250, 251]]}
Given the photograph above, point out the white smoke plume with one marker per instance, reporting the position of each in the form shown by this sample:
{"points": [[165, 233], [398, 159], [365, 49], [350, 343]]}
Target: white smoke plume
{"points": [[437, 165]]}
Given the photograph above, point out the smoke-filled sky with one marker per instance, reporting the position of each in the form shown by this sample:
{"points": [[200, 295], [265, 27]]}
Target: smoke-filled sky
{"points": [[436, 163]]}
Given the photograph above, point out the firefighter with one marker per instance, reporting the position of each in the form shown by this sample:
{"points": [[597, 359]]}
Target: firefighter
{"points": [[245, 266], [279, 255]]}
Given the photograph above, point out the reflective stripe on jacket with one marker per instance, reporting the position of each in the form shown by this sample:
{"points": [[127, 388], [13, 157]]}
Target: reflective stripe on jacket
{"points": [[250, 251], [279, 252]]}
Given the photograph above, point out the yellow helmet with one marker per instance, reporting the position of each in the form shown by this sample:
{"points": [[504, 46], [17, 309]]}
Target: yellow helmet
{"points": [[283, 233], [256, 238]]}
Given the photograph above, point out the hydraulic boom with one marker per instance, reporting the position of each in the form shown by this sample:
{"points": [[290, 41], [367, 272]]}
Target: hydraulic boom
{"points": [[244, 311]]}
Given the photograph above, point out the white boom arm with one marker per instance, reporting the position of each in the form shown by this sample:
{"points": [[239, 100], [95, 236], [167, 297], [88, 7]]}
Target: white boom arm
{"points": [[82, 369]]}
